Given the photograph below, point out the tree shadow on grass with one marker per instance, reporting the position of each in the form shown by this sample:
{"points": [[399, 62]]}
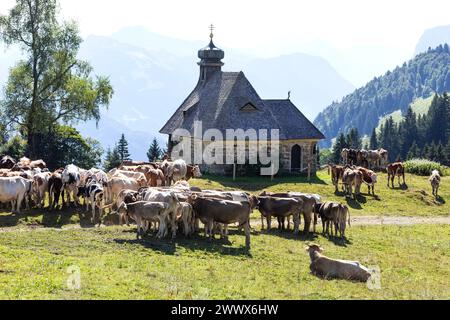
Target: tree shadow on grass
{"points": [[56, 218], [290, 235], [193, 243], [60, 218]]}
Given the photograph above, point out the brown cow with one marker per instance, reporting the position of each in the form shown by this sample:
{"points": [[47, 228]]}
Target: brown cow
{"points": [[55, 187], [193, 172], [225, 212], [369, 178], [396, 169], [336, 174], [7, 162], [333, 213], [38, 164], [280, 208], [309, 200]]}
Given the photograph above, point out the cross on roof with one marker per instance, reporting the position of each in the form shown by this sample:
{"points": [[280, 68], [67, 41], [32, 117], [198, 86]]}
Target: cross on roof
{"points": [[211, 28]]}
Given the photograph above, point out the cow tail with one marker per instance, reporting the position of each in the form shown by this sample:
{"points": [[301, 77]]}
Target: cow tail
{"points": [[348, 211]]}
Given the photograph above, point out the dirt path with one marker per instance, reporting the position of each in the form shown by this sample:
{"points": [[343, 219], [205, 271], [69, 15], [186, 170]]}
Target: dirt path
{"points": [[355, 221], [393, 220], [389, 220]]}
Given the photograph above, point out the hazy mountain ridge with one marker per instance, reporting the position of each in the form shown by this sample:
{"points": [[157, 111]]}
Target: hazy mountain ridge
{"points": [[425, 74], [433, 37], [150, 84]]}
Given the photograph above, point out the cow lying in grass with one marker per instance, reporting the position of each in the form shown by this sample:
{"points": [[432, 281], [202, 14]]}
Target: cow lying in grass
{"points": [[435, 181], [328, 268]]}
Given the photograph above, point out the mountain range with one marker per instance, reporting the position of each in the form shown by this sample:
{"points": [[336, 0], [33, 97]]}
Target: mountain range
{"points": [[152, 77], [433, 37], [427, 73], [393, 92], [152, 74]]}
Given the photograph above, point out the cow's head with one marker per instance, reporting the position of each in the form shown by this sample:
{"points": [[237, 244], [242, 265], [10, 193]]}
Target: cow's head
{"points": [[196, 173], [254, 201], [317, 206], [312, 247], [373, 177]]}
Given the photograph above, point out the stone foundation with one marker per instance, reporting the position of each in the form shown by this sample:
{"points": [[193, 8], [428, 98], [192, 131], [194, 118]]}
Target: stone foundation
{"points": [[308, 155]]}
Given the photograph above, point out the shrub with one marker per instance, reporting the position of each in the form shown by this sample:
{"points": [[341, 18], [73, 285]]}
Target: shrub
{"points": [[423, 167]]}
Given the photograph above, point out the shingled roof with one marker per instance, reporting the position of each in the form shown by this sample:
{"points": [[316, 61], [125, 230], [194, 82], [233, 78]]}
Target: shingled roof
{"points": [[218, 103]]}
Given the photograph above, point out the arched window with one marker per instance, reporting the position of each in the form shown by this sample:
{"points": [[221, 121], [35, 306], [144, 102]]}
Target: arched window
{"points": [[296, 158]]}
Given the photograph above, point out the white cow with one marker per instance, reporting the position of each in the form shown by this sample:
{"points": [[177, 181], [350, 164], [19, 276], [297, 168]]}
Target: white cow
{"points": [[116, 184], [71, 181], [174, 171], [138, 176], [40, 186], [171, 199], [15, 190]]}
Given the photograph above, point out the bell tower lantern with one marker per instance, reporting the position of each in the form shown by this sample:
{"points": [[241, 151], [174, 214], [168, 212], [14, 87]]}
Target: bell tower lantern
{"points": [[210, 58]]}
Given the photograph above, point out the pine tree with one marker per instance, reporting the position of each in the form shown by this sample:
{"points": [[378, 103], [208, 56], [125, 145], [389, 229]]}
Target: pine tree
{"points": [[353, 140], [337, 148], [408, 132], [122, 149], [373, 140], [426, 152], [437, 120], [413, 151], [447, 154], [112, 159], [432, 153], [440, 153], [154, 152]]}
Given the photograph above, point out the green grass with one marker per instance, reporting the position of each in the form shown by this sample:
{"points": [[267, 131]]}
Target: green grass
{"points": [[35, 252], [414, 263], [420, 106], [415, 199], [396, 116]]}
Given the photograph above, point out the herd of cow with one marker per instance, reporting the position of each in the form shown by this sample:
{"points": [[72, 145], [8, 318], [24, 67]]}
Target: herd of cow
{"points": [[374, 159], [355, 172], [158, 197]]}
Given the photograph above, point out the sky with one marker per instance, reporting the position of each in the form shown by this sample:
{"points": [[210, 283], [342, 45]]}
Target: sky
{"points": [[248, 23], [268, 28]]}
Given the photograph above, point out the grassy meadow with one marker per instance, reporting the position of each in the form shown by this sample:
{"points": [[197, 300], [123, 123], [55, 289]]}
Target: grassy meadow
{"points": [[414, 263], [38, 247]]}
